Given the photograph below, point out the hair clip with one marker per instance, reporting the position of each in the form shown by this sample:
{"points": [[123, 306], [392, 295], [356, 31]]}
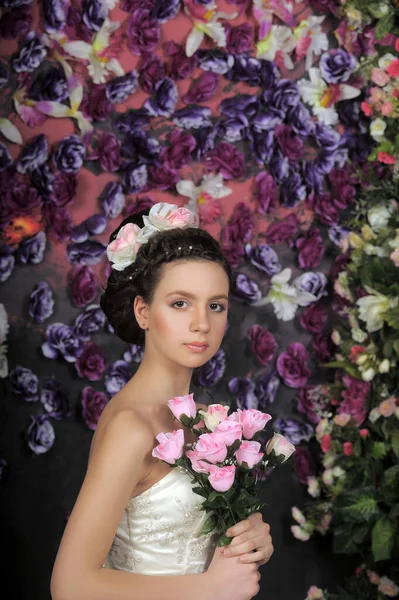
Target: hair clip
{"points": [[179, 248], [130, 277], [190, 247]]}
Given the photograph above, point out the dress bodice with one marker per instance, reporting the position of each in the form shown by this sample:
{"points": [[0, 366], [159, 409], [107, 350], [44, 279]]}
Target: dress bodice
{"points": [[160, 531]]}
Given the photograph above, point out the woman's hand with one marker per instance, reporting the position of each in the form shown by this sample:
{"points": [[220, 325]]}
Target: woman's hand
{"points": [[252, 541]]}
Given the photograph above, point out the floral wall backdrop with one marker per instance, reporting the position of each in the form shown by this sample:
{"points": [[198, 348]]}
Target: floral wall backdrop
{"points": [[277, 123]]}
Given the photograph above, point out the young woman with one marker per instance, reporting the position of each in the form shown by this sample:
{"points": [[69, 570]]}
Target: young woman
{"points": [[135, 530]]}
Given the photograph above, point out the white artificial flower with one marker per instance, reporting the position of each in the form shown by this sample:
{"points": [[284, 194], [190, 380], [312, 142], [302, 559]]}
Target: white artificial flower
{"points": [[374, 415], [285, 298], [373, 308], [299, 533], [377, 129], [385, 61], [278, 39], [313, 487], [378, 217], [298, 515], [211, 185], [384, 366], [10, 132], [322, 97], [368, 374], [328, 477], [211, 27], [311, 37]]}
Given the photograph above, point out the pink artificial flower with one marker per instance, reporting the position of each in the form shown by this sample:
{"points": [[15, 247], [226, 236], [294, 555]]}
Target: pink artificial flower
{"points": [[393, 68], [395, 257], [348, 449], [164, 215], [123, 249], [373, 577], [379, 76], [198, 465], [355, 351], [364, 433], [386, 158], [209, 208], [342, 419], [388, 587], [252, 420], [210, 447], [397, 44], [387, 407], [366, 108], [249, 452], [325, 443], [183, 405], [170, 447], [387, 108], [228, 432], [221, 478], [280, 446]]}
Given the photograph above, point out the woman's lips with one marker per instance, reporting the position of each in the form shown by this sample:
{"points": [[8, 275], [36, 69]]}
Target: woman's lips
{"points": [[195, 347]]}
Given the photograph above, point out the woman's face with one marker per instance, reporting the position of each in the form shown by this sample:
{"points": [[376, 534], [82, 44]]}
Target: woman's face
{"points": [[187, 317]]}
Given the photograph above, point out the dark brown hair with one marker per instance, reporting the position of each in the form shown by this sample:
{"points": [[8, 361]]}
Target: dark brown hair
{"points": [[142, 277]]}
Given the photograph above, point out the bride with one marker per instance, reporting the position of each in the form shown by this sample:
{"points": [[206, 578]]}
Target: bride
{"points": [[135, 530]]}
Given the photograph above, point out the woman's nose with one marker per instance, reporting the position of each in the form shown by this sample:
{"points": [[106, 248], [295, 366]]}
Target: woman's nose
{"points": [[200, 321]]}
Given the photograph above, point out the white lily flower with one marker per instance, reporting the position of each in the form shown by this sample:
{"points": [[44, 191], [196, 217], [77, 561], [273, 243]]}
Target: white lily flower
{"points": [[211, 187], [98, 54], [373, 308], [278, 39], [211, 27], [311, 39], [322, 96], [10, 132], [285, 298]]}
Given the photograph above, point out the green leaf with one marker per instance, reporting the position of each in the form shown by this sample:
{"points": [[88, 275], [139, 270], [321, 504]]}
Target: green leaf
{"points": [[360, 533], [378, 450], [200, 491], [343, 364], [396, 346], [210, 524], [387, 349], [343, 542], [358, 506], [390, 484], [384, 25], [382, 538], [394, 514], [224, 541], [395, 442], [392, 317]]}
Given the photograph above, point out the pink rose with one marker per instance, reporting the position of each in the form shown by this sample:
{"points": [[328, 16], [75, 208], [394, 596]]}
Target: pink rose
{"points": [[183, 405], [348, 449], [379, 76], [249, 452], [228, 432], [280, 446], [252, 420], [210, 447], [221, 478], [123, 249], [170, 446], [215, 414], [167, 216], [199, 466]]}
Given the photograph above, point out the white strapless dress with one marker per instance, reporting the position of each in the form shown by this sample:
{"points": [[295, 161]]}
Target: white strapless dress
{"points": [[160, 531]]}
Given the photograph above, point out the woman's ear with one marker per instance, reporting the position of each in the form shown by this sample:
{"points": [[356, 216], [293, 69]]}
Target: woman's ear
{"points": [[140, 309]]}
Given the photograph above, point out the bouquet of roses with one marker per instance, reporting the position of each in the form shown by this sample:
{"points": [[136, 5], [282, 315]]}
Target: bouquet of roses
{"points": [[225, 461]]}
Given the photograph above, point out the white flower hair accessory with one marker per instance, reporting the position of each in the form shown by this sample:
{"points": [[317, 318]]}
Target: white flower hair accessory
{"points": [[122, 251]]}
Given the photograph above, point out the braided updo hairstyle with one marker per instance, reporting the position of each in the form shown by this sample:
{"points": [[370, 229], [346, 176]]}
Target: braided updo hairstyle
{"points": [[143, 275]]}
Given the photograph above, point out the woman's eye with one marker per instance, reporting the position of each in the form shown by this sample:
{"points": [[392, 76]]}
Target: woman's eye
{"points": [[179, 303], [216, 307]]}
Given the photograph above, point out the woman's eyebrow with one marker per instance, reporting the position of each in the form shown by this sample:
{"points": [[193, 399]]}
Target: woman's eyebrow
{"points": [[193, 297]]}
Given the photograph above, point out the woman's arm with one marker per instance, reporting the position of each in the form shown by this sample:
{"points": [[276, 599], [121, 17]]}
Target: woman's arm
{"points": [[115, 467]]}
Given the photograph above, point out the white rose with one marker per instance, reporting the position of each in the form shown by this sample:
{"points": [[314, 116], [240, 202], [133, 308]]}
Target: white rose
{"points": [[385, 61], [299, 533], [368, 374], [280, 445], [298, 515], [313, 487], [374, 415], [328, 477], [378, 217], [372, 310], [384, 366], [377, 129]]}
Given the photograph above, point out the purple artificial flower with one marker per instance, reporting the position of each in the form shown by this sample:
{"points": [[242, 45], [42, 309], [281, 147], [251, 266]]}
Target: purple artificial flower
{"points": [[138, 147], [95, 104], [324, 207], [25, 383], [164, 10], [143, 203], [262, 145], [15, 3], [4, 75], [266, 388], [283, 230], [134, 177], [151, 70], [243, 390], [34, 154], [234, 129], [212, 371], [163, 177], [117, 375], [40, 434], [133, 353], [164, 99], [180, 65], [120, 88], [312, 177], [300, 120], [132, 121], [280, 167], [108, 152], [312, 402], [144, 32], [314, 283], [304, 464], [83, 286], [285, 95], [89, 252], [337, 233], [54, 399], [243, 105], [64, 191], [30, 56], [202, 89], [80, 233], [70, 154], [217, 61], [239, 39], [354, 398], [41, 302], [7, 262], [112, 200], [314, 318], [90, 321], [23, 198], [264, 258], [294, 431], [291, 145], [337, 65], [59, 220], [42, 180], [53, 15], [94, 13], [325, 162], [96, 224], [292, 189], [91, 363], [205, 140], [15, 24], [292, 365], [263, 343], [226, 159], [269, 74], [49, 85], [326, 137], [323, 347], [246, 290], [311, 249], [5, 158], [31, 250], [93, 404], [179, 151], [193, 117], [239, 226], [267, 192], [62, 340], [244, 68]]}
